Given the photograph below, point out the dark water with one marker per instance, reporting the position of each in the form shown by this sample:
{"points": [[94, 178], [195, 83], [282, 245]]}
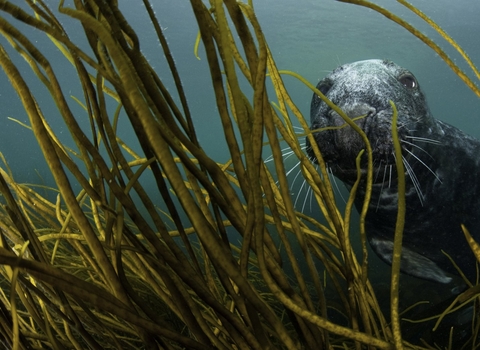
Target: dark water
{"points": [[310, 37]]}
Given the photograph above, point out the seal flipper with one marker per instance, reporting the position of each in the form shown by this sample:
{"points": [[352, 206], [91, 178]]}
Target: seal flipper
{"points": [[411, 262]]}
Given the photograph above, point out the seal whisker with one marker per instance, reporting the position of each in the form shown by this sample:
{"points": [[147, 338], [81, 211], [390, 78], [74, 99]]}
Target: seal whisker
{"points": [[378, 170], [424, 139], [308, 195], [299, 128], [425, 165], [286, 153], [390, 177], [381, 188], [308, 192], [335, 183], [416, 183], [298, 173], [304, 183], [268, 159], [416, 146]]}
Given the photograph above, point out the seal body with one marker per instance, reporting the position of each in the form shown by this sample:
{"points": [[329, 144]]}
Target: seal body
{"points": [[442, 166]]}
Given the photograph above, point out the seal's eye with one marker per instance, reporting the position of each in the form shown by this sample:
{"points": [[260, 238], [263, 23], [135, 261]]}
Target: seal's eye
{"points": [[408, 81]]}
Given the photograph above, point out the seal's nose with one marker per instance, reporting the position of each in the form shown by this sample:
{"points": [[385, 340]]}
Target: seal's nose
{"points": [[357, 112]]}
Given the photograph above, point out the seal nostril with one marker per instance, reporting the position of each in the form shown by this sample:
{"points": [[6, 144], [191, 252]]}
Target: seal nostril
{"points": [[325, 86], [359, 110]]}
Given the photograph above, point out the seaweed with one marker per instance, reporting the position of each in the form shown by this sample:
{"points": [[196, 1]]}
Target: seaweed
{"points": [[200, 260]]}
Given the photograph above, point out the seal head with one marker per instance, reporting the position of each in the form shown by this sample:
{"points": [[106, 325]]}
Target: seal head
{"points": [[441, 163]]}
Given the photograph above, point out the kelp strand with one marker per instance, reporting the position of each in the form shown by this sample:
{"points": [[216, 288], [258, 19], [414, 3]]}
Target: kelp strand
{"points": [[208, 264], [397, 241]]}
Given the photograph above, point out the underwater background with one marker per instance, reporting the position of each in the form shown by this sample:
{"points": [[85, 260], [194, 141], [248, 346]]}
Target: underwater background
{"points": [[309, 37]]}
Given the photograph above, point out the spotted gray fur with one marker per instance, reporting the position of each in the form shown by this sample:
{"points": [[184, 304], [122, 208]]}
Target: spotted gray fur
{"points": [[442, 166]]}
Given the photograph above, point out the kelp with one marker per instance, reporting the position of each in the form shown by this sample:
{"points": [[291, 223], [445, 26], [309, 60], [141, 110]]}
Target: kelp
{"points": [[111, 266]]}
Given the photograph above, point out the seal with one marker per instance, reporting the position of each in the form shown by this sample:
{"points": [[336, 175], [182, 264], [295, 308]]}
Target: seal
{"points": [[442, 166]]}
